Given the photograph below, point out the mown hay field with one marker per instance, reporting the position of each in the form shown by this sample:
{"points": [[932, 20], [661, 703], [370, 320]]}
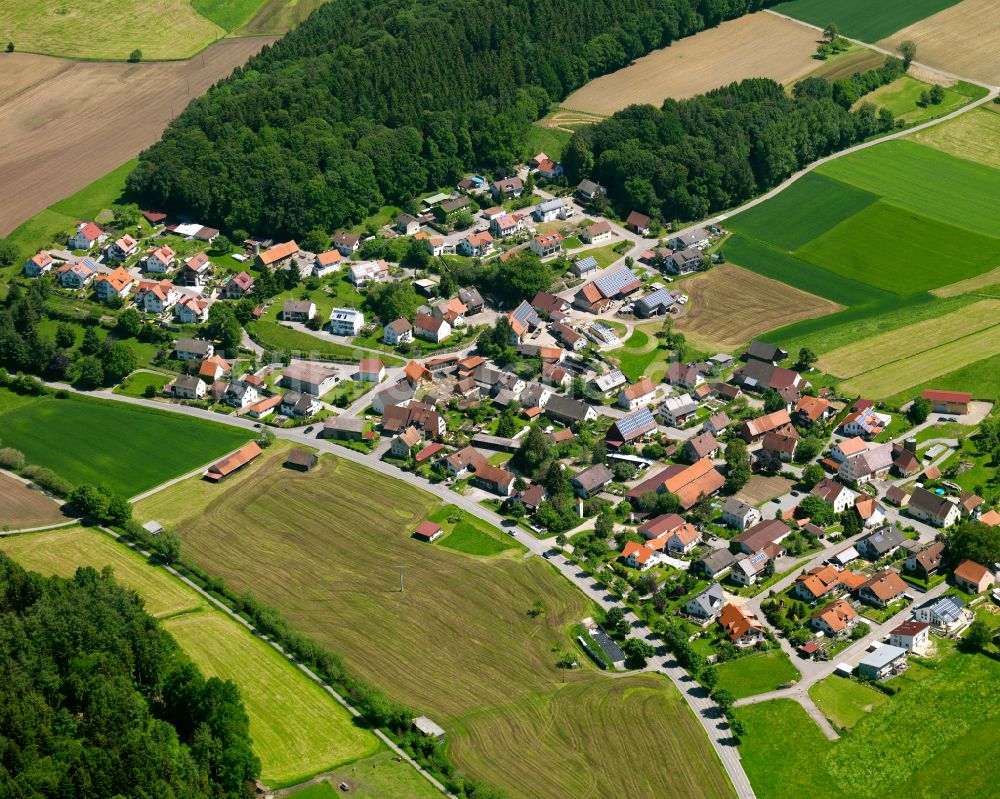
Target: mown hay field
{"points": [[754, 46], [298, 730], [457, 644], [862, 19], [729, 306], [22, 508], [974, 136]]}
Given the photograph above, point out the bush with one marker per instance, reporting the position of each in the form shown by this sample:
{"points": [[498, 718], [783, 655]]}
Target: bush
{"points": [[47, 479], [135, 56], [11, 458]]}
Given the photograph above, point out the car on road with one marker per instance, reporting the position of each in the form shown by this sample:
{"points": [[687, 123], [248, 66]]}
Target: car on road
{"points": [[309, 429]]}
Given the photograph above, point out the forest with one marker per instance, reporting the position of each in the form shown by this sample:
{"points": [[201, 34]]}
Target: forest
{"points": [[376, 101], [97, 700]]}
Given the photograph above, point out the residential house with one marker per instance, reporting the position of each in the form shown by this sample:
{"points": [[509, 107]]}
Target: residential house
{"points": [[506, 188], [630, 428], [810, 410], [298, 310], [591, 481], [973, 577], [405, 443], [970, 505], [188, 387], [263, 408], [834, 493], [76, 275], [882, 589], [683, 539], [836, 618], [398, 332], [661, 526], [911, 635], [501, 227], [122, 249], [347, 243], [344, 428], [637, 395], [866, 423], [933, 508], [241, 394], [568, 337], [371, 370], [684, 375], [464, 461], [716, 563], [872, 464], [160, 259], [113, 284], [545, 244], [548, 210], [821, 581], [38, 264], [897, 496], [946, 614], [683, 262], [453, 311], [156, 297], [308, 378], [191, 311], [927, 561], [746, 571], [638, 556], [496, 481], [364, 272], [755, 429], [696, 237], [407, 225], [213, 367], [954, 402], [741, 626], [430, 328], [346, 321], [300, 405], [738, 514], [607, 383], [870, 511], [589, 190], [779, 445], [549, 169], [449, 210], [397, 418], [689, 483], [678, 410], [188, 349], [706, 605], [472, 300], [844, 450], [569, 412], [885, 662], [701, 446], [758, 376], [717, 423], [237, 287], [475, 245], [86, 236], [638, 223], [769, 531], [326, 262], [597, 232]]}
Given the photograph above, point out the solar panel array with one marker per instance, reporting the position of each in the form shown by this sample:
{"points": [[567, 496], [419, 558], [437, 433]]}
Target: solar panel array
{"points": [[657, 298], [586, 264], [610, 285], [642, 419]]}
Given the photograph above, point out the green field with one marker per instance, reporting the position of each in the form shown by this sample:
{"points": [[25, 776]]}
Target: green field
{"points": [[550, 141], [466, 533], [126, 447], [980, 377], [845, 702], [136, 383], [862, 19], [377, 777], [297, 729], [457, 644], [757, 674], [907, 748], [902, 98]]}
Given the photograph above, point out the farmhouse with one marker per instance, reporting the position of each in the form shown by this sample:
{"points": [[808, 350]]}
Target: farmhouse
{"points": [[591, 481], [431, 328], [973, 577], [701, 446], [769, 531], [689, 483], [233, 463], [590, 299], [188, 349], [620, 284], [495, 480], [308, 378], [463, 461], [933, 508], [754, 429], [344, 428], [956, 402], [833, 493], [630, 428], [779, 445]]}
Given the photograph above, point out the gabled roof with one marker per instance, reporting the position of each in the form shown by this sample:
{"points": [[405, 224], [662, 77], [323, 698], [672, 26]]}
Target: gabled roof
{"points": [[279, 252], [935, 395], [885, 584], [737, 622], [971, 571]]}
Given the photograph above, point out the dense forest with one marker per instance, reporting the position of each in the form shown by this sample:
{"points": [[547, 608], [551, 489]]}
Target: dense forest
{"points": [[97, 701], [374, 101], [711, 152]]}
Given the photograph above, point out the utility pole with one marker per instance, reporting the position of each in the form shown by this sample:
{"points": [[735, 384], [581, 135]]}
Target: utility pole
{"points": [[400, 578]]}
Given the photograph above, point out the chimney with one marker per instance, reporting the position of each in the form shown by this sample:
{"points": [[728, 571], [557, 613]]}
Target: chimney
{"points": [[910, 445]]}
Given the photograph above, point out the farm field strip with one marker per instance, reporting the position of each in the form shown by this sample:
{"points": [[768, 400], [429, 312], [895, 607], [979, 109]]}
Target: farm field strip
{"points": [[23, 508], [757, 45], [297, 729], [988, 283], [905, 342], [979, 377], [860, 19], [974, 136]]}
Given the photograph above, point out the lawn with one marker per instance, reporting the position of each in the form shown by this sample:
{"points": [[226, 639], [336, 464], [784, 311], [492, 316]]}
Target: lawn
{"points": [[297, 729], [861, 19], [457, 644], [467, 533], [136, 383], [128, 448], [757, 674], [22, 508], [275, 336], [845, 702], [637, 354], [605, 255], [902, 97], [377, 777], [550, 141]]}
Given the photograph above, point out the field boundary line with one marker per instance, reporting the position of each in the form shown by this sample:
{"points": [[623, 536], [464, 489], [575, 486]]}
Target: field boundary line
{"points": [[194, 472], [291, 659]]}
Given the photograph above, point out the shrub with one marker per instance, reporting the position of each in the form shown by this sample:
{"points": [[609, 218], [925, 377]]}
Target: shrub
{"points": [[47, 479], [11, 458]]}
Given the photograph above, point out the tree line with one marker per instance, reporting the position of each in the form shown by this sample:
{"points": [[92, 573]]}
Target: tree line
{"points": [[374, 102]]}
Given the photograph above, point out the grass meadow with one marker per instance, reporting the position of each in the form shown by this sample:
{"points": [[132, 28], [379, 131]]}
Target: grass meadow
{"points": [[845, 702], [861, 19], [466, 533], [757, 674], [902, 98], [126, 447], [457, 644], [974, 136], [297, 729], [377, 777]]}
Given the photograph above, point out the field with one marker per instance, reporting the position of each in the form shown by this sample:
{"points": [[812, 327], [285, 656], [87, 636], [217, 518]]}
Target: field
{"points": [[902, 95], [907, 747], [466, 533], [758, 45], [550, 141], [845, 702], [377, 777], [126, 447], [981, 378], [297, 729], [78, 124], [757, 674], [860, 19], [857, 59], [960, 39], [975, 136], [763, 489], [136, 383], [22, 508], [276, 16], [730, 306], [457, 644]]}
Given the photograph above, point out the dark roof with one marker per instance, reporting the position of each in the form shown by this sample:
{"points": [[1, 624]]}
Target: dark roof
{"points": [[302, 457], [761, 351]]}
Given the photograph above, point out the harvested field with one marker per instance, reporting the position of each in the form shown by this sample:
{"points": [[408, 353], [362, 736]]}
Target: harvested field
{"points": [[758, 45], [278, 16], [987, 282], [961, 39], [974, 136], [457, 644], [569, 121], [763, 489], [906, 342], [729, 306], [845, 65], [22, 508], [62, 133]]}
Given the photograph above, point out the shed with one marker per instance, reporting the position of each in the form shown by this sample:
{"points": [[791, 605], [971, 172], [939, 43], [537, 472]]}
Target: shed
{"points": [[424, 725], [153, 527], [302, 460]]}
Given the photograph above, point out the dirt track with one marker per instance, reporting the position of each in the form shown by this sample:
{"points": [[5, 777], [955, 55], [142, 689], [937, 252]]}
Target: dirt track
{"points": [[64, 124]]}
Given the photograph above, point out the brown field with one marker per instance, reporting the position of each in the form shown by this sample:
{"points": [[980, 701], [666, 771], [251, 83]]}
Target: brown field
{"points": [[62, 132], [758, 45], [278, 16], [974, 136], [730, 305], [962, 39], [22, 508], [763, 489], [846, 64]]}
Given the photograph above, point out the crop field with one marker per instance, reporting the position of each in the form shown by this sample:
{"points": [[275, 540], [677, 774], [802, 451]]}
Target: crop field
{"points": [[845, 702], [297, 729], [457, 644], [22, 508], [960, 39], [762, 489], [858, 59], [86, 441], [755, 46], [974, 136], [981, 378], [757, 674], [861, 19], [953, 712], [729, 306], [911, 340], [275, 16]]}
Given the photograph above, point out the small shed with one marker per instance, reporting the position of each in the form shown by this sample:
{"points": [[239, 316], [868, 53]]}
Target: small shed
{"points": [[428, 531], [153, 527], [424, 725], [302, 460]]}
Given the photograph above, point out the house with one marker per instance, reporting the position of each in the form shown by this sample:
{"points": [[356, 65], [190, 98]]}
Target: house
{"points": [[597, 232], [683, 262], [871, 512], [769, 531], [820, 581], [638, 223], [300, 405], [810, 410], [970, 505], [755, 429], [637, 395], [113, 284], [835, 618], [696, 237], [416, 373], [407, 225], [237, 287], [741, 626], [191, 311], [591, 481], [689, 483], [885, 662], [346, 321], [609, 382], [590, 299], [347, 243], [449, 210], [233, 463], [76, 275], [678, 410], [549, 169], [935, 509], [897, 496], [842, 451], [947, 614], [716, 563], [758, 376], [706, 605], [344, 428], [834, 493], [873, 463], [398, 332], [738, 514], [630, 428], [371, 370], [701, 446], [972, 577], [661, 526], [506, 225], [428, 532], [402, 446], [87, 234], [569, 412], [684, 375], [747, 570], [326, 262], [188, 387], [911, 635], [583, 266], [475, 245], [683, 539], [38, 264], [160, 259], [905, 460], [991, 517], [298, 310], [397, 418], [568, 337], [546, 244], [954, 402], [866, 423], [472, 299], [263, 408], [464, 461], [638, 556], [122, 249], [547, 210], [240, 394], [768, 353], [214, 367], [780, 445], [589, 190], [927, 561], [308, 378], [508, 187], [549, 304], [882, 589], [620, 284], [496, 481], [156, 297], [187, 349], [365, 272], [654, 304], [430, 328]]}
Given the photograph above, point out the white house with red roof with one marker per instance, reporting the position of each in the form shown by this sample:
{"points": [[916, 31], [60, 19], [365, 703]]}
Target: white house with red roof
{"points": [[157, 297], [431, 328], [76, 275], [39, 264], [160, 260], [475, 245], [122, 249], [237, 286], [113, 284], [191, 311], [86, 236]]}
